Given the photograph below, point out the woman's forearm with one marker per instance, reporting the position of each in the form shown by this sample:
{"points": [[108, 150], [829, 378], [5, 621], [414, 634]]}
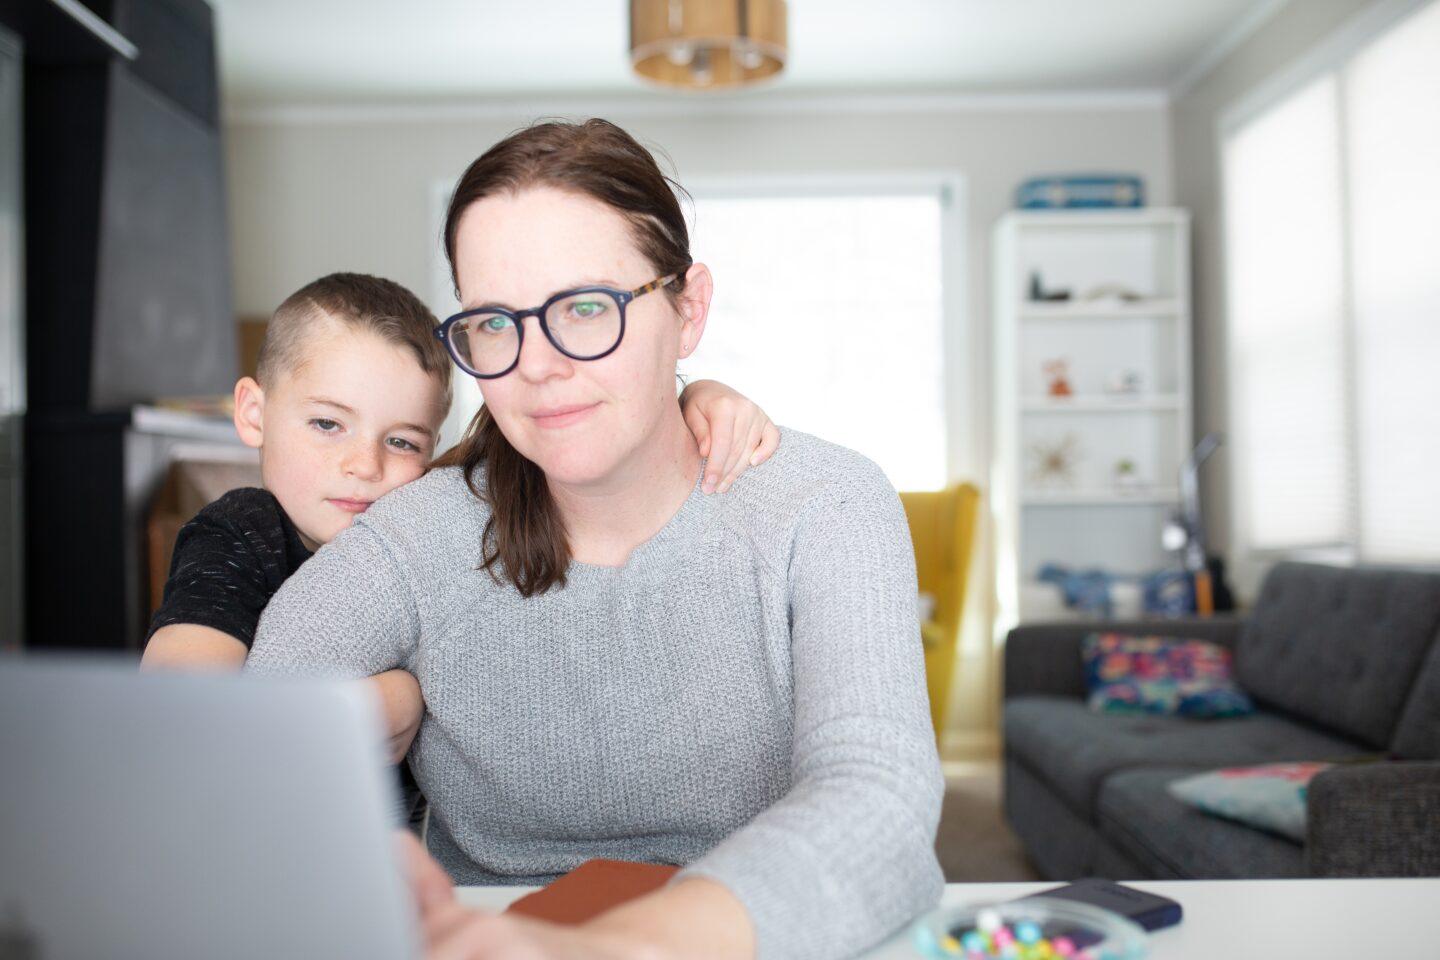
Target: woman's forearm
{"points": [[694, 919]]}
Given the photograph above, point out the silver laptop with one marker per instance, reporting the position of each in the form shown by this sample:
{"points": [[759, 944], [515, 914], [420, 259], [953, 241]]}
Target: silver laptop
{"points": [[158, 816]]}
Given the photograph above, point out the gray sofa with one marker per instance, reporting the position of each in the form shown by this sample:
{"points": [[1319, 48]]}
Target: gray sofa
{"points": [[1342, 663]]}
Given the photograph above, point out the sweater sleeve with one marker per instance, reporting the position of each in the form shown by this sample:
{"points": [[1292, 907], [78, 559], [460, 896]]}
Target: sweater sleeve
{"points": [[847, 856], [349, 612]]}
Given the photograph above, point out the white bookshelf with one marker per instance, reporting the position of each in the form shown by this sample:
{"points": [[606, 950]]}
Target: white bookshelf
{"points": [[1090, 520], [1100, 404], [1099, 311]]}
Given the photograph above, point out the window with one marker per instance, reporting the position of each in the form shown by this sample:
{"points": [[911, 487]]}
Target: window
{"points": [[1332, 219], [828, 312], [1282, 210], [1392, 89]]}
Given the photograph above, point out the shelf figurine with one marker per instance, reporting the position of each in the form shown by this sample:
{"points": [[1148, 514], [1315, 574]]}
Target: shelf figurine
{"points": [[1125, 383], [1057, 377], [1127, 476], [1038, 293], [1116, 293], [1053, 461]]}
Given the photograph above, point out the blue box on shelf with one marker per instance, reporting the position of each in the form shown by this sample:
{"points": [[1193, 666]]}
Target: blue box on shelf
{"points": [[1080, 191]]}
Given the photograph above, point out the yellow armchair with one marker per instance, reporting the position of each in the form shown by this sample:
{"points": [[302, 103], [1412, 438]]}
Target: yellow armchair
{"points": [[942, 527]]}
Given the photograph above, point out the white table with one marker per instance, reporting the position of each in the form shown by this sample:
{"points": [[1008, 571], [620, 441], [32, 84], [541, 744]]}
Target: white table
{"points": [[1225, 919]]}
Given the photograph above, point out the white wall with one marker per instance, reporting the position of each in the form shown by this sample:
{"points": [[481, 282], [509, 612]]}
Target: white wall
{"points": [[314, 192], [312, 196]]}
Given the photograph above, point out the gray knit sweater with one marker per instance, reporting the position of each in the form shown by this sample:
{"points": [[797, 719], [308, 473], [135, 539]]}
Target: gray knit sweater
{"points": [[745, 696]]}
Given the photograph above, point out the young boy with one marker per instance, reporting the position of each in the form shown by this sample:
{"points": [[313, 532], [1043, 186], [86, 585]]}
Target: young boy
{"points": [[346, 405], [350, 391]]}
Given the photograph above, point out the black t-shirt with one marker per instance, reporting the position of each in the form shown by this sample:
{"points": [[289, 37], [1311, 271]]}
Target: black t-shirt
{"points": [[229, 561]]}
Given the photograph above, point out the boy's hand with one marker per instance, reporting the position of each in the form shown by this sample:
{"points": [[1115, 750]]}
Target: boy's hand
{"points": [[402, 708], [734, 434]]}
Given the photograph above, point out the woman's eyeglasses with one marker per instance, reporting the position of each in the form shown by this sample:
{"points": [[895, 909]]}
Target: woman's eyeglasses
{"points": [[583, 324]]}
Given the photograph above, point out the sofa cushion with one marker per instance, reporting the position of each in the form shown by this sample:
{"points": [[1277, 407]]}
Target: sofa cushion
{"points": [[1167, 675], [1417, 736], [1074, 749], [1138, 815], [1339, 646], [1270, 796]]}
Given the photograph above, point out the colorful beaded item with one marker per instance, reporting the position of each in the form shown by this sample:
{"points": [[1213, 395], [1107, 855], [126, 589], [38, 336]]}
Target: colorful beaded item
{"points": [[992, 937]]}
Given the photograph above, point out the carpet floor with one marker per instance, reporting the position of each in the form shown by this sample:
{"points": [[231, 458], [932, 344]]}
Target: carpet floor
{"points": [[974, 844]]}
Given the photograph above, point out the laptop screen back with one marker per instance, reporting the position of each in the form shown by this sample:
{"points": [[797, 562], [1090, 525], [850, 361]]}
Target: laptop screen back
{"points": [[154, 816]]}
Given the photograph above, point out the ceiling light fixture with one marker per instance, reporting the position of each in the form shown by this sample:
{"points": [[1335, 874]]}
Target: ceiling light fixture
{"points": [[707, 44]]}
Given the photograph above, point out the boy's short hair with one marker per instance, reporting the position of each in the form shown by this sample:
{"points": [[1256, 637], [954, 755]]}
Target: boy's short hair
{"points": [[360, 301]]}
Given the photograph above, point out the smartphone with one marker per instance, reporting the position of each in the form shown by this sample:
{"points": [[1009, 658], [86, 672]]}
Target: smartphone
{"points": [[1151, 911]]}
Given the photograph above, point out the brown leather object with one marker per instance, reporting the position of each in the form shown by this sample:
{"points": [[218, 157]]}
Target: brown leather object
{"points": [[592, 888]]}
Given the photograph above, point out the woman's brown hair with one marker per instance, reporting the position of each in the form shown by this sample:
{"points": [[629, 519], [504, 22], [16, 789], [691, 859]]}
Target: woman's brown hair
{"points": [[525, 536]]}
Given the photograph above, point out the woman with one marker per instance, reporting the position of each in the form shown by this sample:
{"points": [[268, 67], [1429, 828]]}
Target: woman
{"points": [[613, 664]]}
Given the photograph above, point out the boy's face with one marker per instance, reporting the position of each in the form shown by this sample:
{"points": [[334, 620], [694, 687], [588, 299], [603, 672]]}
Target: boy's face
{"points": [[355, 419]]}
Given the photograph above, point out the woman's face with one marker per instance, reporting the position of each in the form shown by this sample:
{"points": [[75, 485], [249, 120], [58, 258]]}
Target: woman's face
{"points": [[579, 420]]}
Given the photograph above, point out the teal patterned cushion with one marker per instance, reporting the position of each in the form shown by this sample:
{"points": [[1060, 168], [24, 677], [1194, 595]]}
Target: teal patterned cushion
{"points": [[1188, 678], [1269, 797]]}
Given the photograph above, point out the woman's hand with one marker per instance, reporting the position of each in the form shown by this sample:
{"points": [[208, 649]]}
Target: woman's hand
{"points": [[456, 932], [733, 432], [453, 932], [695, 919]]}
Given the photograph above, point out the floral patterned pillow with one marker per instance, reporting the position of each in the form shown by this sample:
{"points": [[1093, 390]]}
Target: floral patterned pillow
{"points": [[1188, 678], [1270, 796]]}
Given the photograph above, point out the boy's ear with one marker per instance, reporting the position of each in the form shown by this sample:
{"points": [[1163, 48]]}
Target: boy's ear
{"points": [[249, 411], [695, 307]]}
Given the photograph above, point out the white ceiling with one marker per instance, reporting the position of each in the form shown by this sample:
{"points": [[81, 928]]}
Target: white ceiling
{"points": [[374, 51]]}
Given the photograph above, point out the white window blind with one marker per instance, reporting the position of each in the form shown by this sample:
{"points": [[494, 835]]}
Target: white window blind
{"points": [[1392, 89], [1333, 223], [1284, 263], [828, 312]]}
